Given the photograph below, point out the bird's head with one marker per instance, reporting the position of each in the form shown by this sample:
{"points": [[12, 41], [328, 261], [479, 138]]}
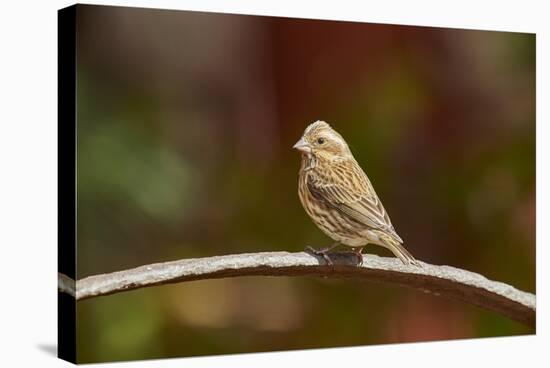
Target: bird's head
{"points": [[321, 141]]}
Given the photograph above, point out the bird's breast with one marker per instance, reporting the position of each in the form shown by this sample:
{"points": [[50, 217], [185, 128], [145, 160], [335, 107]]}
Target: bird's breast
{"points": [[329, 219]]}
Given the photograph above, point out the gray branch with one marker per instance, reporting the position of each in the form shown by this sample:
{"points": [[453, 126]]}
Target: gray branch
{"points": [[446, 281], [65, 284]]}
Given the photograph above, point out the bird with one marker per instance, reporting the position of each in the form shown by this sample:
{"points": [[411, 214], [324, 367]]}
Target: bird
{"points": [[339, 197]]}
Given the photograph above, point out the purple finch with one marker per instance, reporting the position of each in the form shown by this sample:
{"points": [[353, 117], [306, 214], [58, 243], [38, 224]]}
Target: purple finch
{"points": [[339, 198]]}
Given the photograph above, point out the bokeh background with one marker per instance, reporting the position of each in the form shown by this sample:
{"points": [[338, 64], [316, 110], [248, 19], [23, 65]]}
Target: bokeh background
{"points": [[185, 126]]}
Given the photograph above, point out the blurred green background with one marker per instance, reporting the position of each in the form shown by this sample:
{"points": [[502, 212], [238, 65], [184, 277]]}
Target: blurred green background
{"points": [[185, 126]]}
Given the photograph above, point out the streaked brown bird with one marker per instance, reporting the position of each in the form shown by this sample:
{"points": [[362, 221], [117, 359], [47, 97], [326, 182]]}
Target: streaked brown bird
{"points": [[339, 197]]}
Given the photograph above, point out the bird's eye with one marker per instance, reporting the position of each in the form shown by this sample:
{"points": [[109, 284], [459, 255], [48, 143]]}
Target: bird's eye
{"points": [[321, 140]]}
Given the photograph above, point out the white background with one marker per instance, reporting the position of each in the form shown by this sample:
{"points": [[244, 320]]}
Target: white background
{"points": [[28, 182]]}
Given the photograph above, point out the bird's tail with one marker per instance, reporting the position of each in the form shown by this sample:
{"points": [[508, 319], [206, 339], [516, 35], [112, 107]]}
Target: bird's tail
{"points": [[398, 249]]}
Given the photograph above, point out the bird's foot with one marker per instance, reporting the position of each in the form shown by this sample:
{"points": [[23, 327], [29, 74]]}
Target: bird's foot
{"points": [[359, 256], [322, 252]]}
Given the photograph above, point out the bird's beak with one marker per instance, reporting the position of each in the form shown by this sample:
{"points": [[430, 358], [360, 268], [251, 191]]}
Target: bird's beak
{"points": [[302, 145]]}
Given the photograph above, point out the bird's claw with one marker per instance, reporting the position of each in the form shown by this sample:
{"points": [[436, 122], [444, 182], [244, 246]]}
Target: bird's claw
{"points": [[359, 259], [320, 252]]}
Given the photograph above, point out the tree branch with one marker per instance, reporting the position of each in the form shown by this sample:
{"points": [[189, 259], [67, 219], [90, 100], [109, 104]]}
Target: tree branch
{"points": [[65, 284], [446, 281]]}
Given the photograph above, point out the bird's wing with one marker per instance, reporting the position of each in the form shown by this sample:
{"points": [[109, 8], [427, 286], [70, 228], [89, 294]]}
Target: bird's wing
{"points": [[348, 190]]}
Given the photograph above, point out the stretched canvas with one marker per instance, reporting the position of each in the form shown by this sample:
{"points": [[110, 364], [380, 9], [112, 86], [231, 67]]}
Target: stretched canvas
{"points": [[207, 159]]}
